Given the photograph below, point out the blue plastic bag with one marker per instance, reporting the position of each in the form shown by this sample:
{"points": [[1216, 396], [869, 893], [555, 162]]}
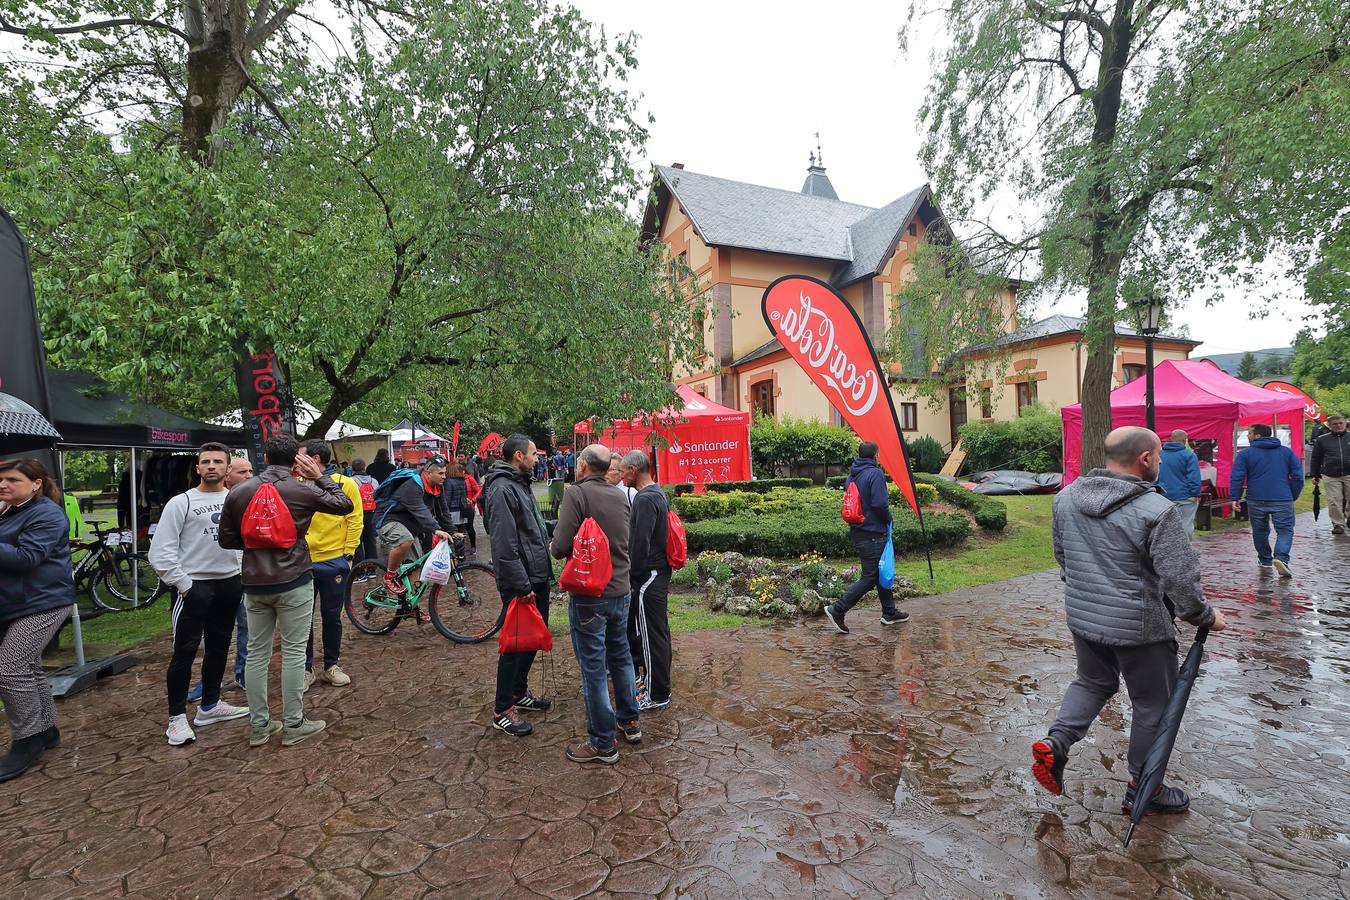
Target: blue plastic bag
{"points": [[886, 568]]}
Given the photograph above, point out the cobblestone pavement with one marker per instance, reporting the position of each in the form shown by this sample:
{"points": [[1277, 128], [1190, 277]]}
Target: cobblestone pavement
{"points": [[795, 762]]}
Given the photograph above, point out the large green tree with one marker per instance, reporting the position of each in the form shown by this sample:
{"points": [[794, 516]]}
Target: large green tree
{"points": [[1151, 146], [439, 214]]}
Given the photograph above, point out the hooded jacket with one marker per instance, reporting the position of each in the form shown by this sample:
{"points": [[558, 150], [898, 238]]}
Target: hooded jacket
{"points": [[269, 571], [519, 536], [1268, 470], [1179, 476], [876, 502], [1127, 563], [1331, 455], [35, 572]]}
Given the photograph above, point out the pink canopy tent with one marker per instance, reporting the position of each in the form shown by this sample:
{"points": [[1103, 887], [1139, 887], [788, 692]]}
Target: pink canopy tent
{"points": [[1197, 397], [704, 442]]}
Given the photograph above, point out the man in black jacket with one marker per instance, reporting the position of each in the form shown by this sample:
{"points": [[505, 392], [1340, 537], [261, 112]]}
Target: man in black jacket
{"points": [[869, 538], [648, 622], [520, 555], [1331, 469]]}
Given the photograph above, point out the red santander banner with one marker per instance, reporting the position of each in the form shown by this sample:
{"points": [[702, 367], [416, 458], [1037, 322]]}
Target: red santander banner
{"points": [[1311, 412], [824, 335]]}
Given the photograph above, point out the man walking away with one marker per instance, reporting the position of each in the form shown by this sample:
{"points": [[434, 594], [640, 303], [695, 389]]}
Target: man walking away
{"points": [[1128, 567], [366, 485], [1272, 476], [1331, 468], [410, 514], [333, 541], [648, 621], [520, 555], [869, 538], [277, 589], [241, 470], [1179, 478], [186, 553], [381, 468], [600, 624]]}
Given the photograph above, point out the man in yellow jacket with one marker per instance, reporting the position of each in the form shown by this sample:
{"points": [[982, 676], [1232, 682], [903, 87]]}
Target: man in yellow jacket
{"points": [[332, 543]]}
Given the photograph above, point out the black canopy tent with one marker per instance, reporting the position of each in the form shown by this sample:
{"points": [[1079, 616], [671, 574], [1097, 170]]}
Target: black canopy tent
{"points": [[89, 413]]}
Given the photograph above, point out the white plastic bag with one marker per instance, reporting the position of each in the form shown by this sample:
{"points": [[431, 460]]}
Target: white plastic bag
{"points": [[437, 567]]}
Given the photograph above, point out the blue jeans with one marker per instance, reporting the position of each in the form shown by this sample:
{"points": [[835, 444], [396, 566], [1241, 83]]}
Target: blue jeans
{"points": [[600, 641], [1263, 513]]}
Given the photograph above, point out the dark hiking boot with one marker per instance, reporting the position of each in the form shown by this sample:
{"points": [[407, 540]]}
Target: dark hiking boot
{"points": [[836, 619], [588, 753], [632, 731], [1166, 800], [1047, 764]]}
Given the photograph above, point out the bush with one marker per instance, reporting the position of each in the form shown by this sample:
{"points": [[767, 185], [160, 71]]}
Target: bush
{"points": [[990, 514], [758, 486], [1033, 442], [837, 481], [925, 454], [791, 441], [926, 494]]}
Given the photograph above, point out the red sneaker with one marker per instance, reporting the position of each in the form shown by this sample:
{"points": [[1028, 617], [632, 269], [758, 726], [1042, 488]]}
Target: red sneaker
{"points": [[393, 585]]}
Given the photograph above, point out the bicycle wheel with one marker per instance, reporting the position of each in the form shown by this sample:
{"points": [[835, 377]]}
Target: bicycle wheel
{"points": [[112, 588], [468, 609], [369, 606]]}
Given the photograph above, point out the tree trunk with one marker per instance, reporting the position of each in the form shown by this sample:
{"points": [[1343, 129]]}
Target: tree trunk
{"points": [[215, 78]]}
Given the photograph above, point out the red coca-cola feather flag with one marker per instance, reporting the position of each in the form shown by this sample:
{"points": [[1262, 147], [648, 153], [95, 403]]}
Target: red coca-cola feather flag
{"points": [[824, 335]]}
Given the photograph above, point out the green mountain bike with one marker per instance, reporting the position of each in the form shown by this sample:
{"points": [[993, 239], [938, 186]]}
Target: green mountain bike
{"points": [[467, 610]]}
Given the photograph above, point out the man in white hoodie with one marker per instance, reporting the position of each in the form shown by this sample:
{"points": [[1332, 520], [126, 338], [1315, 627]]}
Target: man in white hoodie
{"points": [[206, 578]]}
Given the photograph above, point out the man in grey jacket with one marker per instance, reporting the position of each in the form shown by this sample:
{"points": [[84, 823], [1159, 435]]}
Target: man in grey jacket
{"points": [[1128, 569]]}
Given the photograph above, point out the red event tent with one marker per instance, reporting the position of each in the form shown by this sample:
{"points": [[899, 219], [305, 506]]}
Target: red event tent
{"points": [[1197, 397], [704, 442]]}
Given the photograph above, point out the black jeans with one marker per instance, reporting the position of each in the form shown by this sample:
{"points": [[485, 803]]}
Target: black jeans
{"points": [[869, 547], [330, 583], [649, 632], [206, 610], [368, 548], [513, 669]]}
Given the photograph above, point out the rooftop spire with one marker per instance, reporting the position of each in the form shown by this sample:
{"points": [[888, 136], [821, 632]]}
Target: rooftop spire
{"points": [[817, 183]]}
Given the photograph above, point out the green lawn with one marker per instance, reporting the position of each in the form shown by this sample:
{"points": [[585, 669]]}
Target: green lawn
{"points": [[1022, 548]]}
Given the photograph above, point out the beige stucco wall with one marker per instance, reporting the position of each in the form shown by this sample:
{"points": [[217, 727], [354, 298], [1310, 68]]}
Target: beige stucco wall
{"points": [[796, 395], [748, 330], [765, 267]]}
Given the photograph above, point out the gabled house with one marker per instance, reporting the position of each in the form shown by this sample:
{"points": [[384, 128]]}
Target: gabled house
{"points": [[739, 237]]}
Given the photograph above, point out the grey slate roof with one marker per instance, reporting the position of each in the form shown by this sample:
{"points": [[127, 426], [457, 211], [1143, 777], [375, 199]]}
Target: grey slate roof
{"points": [[735, 214], [1052, 326], [817, 184], [874, 237], [770, 346]]}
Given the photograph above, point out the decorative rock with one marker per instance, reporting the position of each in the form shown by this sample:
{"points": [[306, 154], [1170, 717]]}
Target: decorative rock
{"points": [[741, 605], [717, 593], [778, 609], [811, 603]]}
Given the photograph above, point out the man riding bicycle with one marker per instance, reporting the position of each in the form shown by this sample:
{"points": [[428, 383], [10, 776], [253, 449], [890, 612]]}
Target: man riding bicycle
{"points": [[410, 509]]}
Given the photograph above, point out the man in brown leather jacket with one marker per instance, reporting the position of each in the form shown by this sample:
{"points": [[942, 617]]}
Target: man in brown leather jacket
{"points": [[278, 589]]}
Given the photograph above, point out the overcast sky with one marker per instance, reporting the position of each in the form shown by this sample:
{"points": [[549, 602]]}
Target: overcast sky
{"points": [[739, 89]]}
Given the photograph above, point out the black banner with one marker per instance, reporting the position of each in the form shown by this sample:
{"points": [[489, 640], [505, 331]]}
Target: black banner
{"points": [[23, 368], [264, 399]]}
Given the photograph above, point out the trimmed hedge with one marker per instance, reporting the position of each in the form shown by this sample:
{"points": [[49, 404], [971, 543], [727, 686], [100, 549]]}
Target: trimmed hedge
{"points": [[990, 514], [789, 534], [925, 454], [758, 486]]}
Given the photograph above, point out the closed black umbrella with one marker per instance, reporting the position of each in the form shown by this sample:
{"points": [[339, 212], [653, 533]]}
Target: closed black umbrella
{"points": [[1155, 764], [1317, 500], [23, 428]]}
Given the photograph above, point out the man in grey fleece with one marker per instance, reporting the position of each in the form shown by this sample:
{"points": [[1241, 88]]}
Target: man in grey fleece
{"points": [[1128, 569]]}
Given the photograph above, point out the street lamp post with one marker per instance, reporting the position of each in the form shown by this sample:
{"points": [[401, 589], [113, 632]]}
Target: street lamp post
{"points": [[1149, 310], [412, 416]]}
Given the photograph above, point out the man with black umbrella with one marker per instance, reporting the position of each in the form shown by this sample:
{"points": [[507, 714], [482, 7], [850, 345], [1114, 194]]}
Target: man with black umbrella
{"points": [[1128, 569]]}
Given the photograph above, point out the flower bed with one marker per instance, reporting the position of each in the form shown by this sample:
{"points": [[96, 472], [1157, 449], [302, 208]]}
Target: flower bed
{"points": [[754, 586]]}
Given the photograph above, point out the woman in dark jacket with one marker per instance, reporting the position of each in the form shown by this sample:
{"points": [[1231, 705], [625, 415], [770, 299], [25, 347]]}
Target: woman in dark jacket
{"points": [[457, 504], [37, 589]]}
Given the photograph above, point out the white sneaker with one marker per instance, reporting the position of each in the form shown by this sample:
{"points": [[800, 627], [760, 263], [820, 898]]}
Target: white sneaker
{"points": [[179, 732], [221, 712], [1283, 568], [310, 677], [335, 676]]}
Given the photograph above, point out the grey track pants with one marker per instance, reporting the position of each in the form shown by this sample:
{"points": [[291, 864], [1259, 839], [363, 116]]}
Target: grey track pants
{"points": [[1150, 673]]}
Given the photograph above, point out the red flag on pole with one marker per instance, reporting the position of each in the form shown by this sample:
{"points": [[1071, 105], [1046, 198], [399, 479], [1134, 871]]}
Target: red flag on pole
{"points": [[454, 440], [824, 335]]}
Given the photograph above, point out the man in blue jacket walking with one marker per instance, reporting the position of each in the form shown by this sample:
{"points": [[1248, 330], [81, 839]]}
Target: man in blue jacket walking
{"points": [[869, 538], [1179, 478], [1273, 478]]}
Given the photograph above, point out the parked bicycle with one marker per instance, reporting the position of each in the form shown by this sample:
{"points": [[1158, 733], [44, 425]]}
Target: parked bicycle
{"points": [[109, 569], [467, 610]]}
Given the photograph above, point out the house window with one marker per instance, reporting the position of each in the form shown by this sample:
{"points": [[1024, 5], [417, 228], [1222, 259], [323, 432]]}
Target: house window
{"points": [[702, 391], [909, 417], [761, 397], [1132, 371], [986, 403], [1026, 395]]}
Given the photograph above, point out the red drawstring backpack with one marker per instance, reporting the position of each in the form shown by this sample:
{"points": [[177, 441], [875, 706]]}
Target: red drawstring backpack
{"points": [[589, 568], [267, 523], [853, 511], [523, 629], [677, 544]]}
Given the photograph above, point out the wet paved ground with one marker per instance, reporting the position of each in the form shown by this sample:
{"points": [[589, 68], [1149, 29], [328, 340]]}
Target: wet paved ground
{"points": [[794, 763]]}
